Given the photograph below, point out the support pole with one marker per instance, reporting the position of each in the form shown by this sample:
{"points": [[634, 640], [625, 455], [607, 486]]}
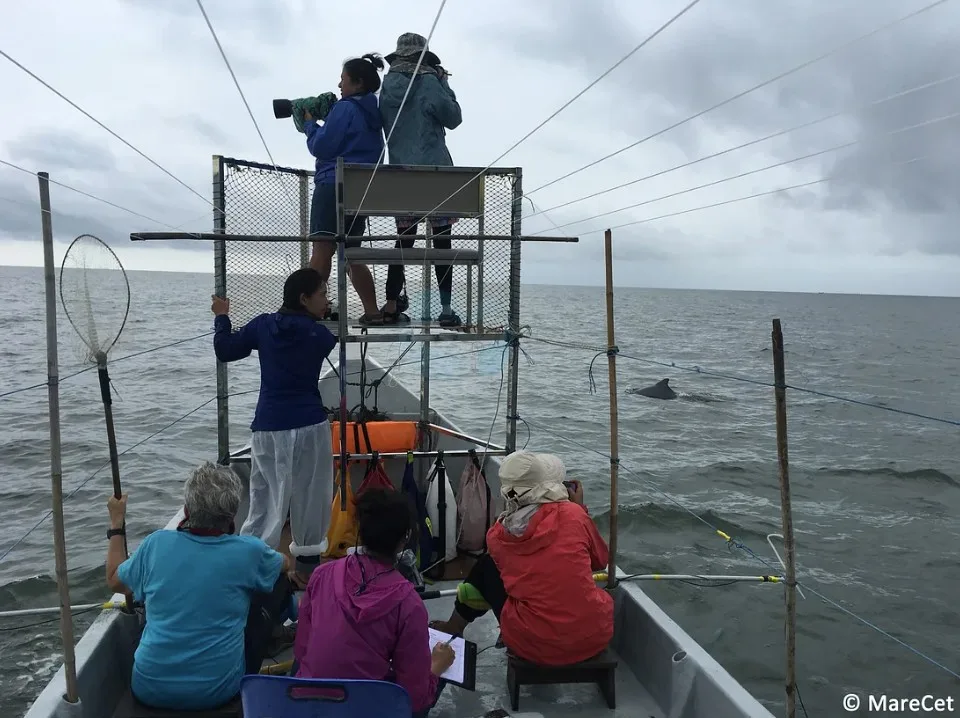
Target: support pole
{"points": [[786, 514], [220, 289], [56, 471], [513, 318], [305, 220], [614, 429], [342, 332]]}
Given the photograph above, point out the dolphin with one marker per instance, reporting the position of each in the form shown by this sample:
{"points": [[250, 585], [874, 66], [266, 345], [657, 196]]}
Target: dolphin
{"points": [[660, 390]]}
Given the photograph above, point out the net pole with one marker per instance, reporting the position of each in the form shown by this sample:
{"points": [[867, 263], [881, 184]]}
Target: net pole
{"points": [[786, 516], [614, 412], [56, 470]]}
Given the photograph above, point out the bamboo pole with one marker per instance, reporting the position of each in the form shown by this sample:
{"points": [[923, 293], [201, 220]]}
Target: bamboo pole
{"points": [[56, 471], [614, 438], [786, 514]]}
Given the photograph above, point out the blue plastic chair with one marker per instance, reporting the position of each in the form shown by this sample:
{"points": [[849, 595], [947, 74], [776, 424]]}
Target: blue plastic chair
{"points": [[283, 697]]}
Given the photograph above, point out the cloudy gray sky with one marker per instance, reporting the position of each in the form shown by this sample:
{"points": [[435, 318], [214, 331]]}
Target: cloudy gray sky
{"points": [[883, 221]]}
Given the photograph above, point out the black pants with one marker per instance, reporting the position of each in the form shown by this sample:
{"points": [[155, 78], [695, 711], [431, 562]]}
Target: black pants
{"points": [[485, 577], [266, 609], [444, 272]]}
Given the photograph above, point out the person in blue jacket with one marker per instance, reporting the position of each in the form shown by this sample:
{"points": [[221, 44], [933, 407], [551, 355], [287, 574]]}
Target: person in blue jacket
{"points": [[418, 137], [291, 467], [353, 130]]}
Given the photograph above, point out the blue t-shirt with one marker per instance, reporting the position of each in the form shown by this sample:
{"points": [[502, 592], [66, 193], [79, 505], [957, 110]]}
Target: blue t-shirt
{"points": [[197, 592]]}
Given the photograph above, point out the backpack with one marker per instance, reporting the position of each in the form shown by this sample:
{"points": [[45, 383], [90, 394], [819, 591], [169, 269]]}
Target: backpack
{"points": [[474, 507], [421, 542], [376, 476]]}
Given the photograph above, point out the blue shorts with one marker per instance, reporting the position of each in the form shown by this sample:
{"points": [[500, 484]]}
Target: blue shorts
{"points": [[323, 216]]}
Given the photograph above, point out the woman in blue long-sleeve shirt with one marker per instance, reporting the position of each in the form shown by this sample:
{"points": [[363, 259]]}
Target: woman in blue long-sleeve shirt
{"points": [[353, 130], [291, 467], [418, 137]]}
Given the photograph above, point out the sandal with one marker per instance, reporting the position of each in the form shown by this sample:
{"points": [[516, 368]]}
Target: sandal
{"points": [[372, 320], [397, 317], [449, 319]]}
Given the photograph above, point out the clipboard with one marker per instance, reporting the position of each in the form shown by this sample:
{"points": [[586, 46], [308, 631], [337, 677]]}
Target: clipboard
{"points": [[463, 672]]}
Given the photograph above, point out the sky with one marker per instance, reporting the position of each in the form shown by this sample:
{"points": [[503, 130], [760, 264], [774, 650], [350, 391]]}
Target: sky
{"points": [[879, 217]]}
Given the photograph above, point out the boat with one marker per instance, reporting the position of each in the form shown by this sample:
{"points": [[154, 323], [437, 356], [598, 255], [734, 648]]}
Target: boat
{"points": [[661, 671]]}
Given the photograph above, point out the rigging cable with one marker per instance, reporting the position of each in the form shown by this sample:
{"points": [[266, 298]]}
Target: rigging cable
{"points": [[243, 97], [780, 133], [569, 102], [403, 102], [825, 178], [98, 199], [733, 542], [743, 93], [783, 163], [107, 129]]}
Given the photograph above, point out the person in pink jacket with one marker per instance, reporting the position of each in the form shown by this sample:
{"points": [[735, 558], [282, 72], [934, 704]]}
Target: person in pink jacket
{"points": [[360, 618]]}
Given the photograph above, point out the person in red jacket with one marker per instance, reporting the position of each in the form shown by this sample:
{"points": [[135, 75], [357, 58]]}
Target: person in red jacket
{"points": [[537, 576]]}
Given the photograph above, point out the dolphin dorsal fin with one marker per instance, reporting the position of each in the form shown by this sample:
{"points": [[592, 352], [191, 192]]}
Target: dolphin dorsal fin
{"points": [[664, 382]]}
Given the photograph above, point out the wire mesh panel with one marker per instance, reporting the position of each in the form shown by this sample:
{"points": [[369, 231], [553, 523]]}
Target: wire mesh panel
{"points": [[259, 199], [480, 293]]}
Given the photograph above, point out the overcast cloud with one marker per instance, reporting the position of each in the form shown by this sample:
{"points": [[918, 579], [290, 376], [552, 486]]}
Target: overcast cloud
{"points": [[884, 222]]}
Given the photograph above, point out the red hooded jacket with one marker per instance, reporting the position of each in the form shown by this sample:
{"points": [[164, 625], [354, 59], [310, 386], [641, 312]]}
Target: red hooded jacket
{"points": [[555, 614]]}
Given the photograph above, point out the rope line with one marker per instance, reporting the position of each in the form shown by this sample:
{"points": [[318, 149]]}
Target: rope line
{"points": [[778, 190], [396, 119], [105, 128], [60, 380], [728, 150], [565, 105], [243, 97], [783, 163], [733, 542], [743, 93], [94, 197], [181, 418]]}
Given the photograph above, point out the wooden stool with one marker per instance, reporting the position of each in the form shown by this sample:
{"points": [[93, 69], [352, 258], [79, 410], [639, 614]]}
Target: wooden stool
{"points": [[601, 669]]}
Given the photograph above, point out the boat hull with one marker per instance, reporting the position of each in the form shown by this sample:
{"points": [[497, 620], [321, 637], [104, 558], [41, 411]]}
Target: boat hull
{"points": [[663, 672]]}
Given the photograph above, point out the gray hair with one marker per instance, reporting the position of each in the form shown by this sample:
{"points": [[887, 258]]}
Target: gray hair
{"points": [[212, 496]]}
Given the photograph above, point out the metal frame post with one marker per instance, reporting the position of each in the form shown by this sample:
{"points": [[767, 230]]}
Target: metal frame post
{"points": [[220, 289], [304, 219], [513, 321], [426, 312], [342, 330], [480, 230]]}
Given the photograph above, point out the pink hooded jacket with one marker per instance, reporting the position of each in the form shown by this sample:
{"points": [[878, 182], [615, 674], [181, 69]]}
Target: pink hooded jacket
{"points": [[380, 634]]}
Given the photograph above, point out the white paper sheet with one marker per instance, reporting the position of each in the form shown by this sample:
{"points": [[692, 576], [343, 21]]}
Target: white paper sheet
{"points": [[455, 672]]}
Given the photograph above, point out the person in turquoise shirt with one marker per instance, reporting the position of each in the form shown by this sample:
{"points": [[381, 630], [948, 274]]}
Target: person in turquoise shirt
{"points": [[203, 589]]}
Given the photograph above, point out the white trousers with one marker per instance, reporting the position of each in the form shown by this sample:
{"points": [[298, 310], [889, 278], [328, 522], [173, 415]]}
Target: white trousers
{"points": [[291, 471]]}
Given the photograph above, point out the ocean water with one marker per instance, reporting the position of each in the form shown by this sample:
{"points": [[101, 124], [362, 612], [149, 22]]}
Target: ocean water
{"points": [[876, 494]]}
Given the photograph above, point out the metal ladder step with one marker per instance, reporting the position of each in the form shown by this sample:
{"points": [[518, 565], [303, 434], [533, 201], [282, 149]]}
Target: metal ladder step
{"points": [[414, 255]]}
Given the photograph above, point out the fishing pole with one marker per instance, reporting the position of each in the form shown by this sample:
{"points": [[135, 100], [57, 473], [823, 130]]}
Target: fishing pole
{"points": [[601, 576], [79, 608]]}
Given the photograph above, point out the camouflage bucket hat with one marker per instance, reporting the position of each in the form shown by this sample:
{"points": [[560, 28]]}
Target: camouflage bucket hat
{"points": [[409, 46]]}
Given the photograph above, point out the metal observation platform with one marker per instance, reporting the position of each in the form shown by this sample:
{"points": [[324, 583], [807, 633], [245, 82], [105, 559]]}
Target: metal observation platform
{"points": [[261, 222]]}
